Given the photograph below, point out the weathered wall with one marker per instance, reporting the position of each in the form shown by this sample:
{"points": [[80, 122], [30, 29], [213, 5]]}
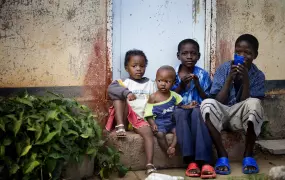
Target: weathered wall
{"points": [[52, 42], [56, 45], [262, 18]]}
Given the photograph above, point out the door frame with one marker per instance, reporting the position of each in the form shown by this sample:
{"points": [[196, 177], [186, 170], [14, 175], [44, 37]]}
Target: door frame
{"points": [[210, 37]]}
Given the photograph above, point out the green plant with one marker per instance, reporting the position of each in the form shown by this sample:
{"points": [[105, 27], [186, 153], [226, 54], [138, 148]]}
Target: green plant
{"points": [[109, 161], [38, 135]]}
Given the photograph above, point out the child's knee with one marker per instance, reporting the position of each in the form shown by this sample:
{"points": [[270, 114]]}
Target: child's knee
{"points": [[160, 135]]}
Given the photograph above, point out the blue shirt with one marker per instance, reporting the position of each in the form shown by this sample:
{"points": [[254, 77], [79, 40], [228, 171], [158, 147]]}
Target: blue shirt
{"points": [[256, 82], [191, 93]]}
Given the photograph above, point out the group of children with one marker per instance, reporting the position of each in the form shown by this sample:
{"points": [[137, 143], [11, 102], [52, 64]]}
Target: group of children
{"points": [[185, 102]]}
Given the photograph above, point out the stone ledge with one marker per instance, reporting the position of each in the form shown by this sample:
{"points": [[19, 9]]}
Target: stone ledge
{"points": [[133, 155]]}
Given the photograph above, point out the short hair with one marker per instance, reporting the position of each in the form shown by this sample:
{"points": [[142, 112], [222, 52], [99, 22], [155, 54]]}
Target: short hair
{"points": [[249, 39], [168, 68], [134, 52], [188, 41]]}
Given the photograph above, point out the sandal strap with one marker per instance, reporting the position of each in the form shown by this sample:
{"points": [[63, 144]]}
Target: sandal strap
{"points": [[208, 167], [119, 125], [193, 166], [151, 170], [249, 161], [120, 130], [223, 161]]}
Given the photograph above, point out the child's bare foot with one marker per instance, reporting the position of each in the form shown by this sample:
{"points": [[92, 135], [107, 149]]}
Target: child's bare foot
{"points": [[171, 151], [120, 131]]}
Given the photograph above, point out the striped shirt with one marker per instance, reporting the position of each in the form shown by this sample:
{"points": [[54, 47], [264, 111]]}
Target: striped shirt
{"points": [[256, 82]]}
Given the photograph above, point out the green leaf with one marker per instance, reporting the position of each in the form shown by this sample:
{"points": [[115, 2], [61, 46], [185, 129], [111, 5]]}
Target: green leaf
{"points": [[12, 116], [47, 129], [122, 170], [51, 115], [24, 101], [47, 138], [102, 173], [56, 156], [84, 136], [31, 129], [72, 132], [16, 127], [34, 156], [2, 124], [14, 169], [26, 150], [2, 151], [91, 151], [51, 164], [38, 132], [58, 127], [7, 141], [30, 166]]}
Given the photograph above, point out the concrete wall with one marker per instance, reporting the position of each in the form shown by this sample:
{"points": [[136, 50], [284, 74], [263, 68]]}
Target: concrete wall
{"points": [[56, 44], [262, 18], [52, 43]]}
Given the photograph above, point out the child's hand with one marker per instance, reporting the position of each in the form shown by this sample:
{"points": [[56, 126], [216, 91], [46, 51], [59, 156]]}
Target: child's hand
{"points": [[242, 70], [131, 97], [154, 128], [193, 104], [185, 80], [195, 79], [233, 72]]}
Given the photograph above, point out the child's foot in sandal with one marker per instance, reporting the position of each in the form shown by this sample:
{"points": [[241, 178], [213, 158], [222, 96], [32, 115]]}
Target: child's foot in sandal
{"points": [[150, 168], [193, 170], [223, 166], [249, 166], [208, 172], [171, 152], [120, 131]]}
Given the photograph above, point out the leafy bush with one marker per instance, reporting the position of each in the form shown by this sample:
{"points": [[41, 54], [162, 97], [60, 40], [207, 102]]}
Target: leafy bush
{"points": [[38, 134]]}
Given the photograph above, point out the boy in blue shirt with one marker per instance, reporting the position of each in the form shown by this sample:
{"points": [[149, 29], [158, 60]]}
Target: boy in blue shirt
{"points": [[237, 90], [193, 84]]}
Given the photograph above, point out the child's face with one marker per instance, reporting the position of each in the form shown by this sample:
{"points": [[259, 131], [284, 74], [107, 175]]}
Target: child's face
{"points": [[188, 55], [164, 80], [136, 67], [243, 48]]}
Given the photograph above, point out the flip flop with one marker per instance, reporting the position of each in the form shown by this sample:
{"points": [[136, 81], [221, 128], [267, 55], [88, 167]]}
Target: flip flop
{"points": [[208, 168], [223, 161], [192, 166], [249, 161]]}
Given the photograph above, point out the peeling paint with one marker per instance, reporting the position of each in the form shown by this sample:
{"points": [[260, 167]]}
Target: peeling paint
{"points": [[195, 10]]}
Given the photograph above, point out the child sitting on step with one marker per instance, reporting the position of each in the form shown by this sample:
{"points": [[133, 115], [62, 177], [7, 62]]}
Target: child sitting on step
{"points": [[160, 107], [129, 98]]}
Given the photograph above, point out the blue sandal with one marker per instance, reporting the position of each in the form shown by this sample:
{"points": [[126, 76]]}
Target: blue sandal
{"points": [[223, 161], [249, 161]]}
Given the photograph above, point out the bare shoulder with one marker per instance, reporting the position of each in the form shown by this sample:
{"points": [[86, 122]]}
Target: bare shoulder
{"points": [[151, 98]]}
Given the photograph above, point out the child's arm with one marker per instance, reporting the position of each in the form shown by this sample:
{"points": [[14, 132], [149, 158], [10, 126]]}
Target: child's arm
{"points": [[193, 104], [152, 124], [117, 91], [148, 113], [174, 140]]}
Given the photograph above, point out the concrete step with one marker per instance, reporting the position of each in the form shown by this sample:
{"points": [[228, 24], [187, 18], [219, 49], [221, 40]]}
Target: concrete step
{"points": [[276, 147], [133, 154]]}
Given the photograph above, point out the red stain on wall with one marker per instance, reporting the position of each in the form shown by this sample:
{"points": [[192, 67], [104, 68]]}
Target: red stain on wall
{"points": [[98, 77], [225, 50]]}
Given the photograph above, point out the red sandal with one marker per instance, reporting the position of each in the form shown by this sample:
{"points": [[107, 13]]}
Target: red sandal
{"points": [[208, 168], [192, 166]]}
